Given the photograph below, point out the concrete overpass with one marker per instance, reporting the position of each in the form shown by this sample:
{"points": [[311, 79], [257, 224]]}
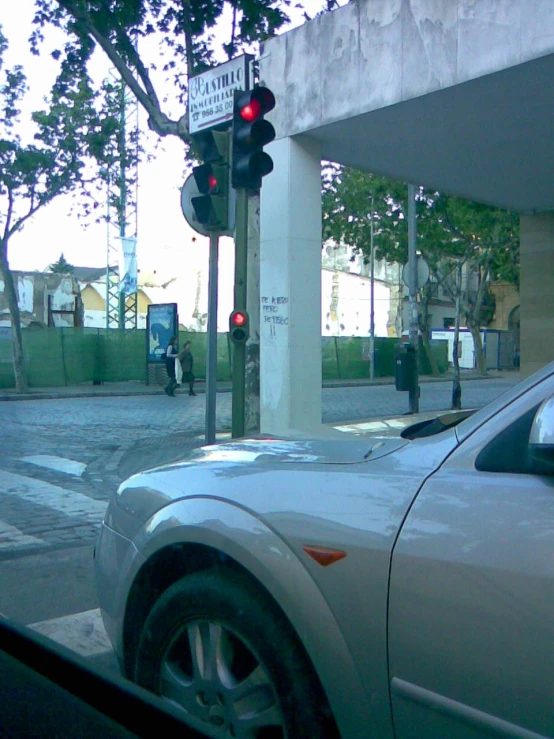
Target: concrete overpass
{"points": [[450, 94]]}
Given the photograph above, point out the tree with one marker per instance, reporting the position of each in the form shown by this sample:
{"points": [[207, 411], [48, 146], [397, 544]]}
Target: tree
{"points": [[182, 29], [467, 245], [32, 175], [351, 200], [486, 242], [183, 32], [61, 267]]}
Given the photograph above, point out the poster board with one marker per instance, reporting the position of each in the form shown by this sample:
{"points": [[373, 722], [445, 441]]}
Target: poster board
{"points": [[162, 322]]}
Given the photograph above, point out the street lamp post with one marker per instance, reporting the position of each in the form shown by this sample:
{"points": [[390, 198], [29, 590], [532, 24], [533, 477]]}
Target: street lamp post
{"points": [[372, 302]]}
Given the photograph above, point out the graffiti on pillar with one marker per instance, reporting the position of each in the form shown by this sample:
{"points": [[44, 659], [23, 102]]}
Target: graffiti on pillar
{"points": [[275, 311]]}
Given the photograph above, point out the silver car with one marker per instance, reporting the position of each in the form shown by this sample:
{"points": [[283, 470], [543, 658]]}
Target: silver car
{"points": [[362, 587]]}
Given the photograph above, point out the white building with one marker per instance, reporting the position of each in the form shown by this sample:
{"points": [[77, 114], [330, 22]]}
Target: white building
{"points": [[345, 292]]}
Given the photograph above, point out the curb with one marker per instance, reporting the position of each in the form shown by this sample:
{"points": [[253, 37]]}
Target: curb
{"points": [[64, 394]]}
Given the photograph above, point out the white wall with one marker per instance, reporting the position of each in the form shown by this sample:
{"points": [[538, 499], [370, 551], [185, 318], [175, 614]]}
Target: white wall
{"points": [[346, 304], [467, 358], [349, 292]]}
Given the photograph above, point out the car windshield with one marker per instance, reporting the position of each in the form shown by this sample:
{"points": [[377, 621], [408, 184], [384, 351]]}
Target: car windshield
{"points": [[190, 313]]}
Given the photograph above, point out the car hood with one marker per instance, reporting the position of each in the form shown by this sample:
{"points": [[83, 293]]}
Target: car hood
{"points": [[143, 494], [286, 451]]}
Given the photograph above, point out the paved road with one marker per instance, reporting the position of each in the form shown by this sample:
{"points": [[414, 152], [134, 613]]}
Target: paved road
{"points": [[358, 403], [46, 504], [61, 459]]}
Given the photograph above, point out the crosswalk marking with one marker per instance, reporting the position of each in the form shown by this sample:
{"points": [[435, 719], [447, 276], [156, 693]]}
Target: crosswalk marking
{"points": [[11, 537], [44, 493], [84, 632], [59, 464]]}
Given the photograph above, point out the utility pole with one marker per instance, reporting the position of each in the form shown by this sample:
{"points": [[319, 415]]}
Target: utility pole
{"points": [[372, 302], [122, 210], [413, 287]]}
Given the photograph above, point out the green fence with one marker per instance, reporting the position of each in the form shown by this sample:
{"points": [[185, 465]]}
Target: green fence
{"points": [[71, 356]]}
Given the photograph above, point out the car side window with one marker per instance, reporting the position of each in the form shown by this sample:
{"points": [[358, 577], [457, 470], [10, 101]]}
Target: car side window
{"points": [[509, 450]]}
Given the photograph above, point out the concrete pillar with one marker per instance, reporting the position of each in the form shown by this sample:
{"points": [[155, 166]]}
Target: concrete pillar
{"points": [[536, 291], [290, 288]]}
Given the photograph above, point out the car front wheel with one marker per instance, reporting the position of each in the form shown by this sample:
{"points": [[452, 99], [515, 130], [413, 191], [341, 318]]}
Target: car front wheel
{"points": [[217, 648]]}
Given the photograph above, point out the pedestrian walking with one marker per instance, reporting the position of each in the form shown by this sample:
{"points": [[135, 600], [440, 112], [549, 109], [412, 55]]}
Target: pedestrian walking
{"points": [[187, 360], [170, 358]]}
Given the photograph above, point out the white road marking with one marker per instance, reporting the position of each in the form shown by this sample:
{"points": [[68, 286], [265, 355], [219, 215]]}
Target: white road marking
{"points": [[364, 427], [83, 633], [59, 464], [376, 426], [57, 498], [11, 537]]}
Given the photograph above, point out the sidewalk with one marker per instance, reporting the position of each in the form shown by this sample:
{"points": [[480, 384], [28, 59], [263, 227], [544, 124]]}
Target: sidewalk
{"points": [[118, 389]]}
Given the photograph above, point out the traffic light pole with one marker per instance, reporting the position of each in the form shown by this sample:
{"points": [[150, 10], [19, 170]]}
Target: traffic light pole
{"points": [[413, 397], [211, 359], [239, 350]]}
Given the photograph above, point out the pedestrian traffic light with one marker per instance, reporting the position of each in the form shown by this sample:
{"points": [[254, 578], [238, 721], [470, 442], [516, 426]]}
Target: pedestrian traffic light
{"points": [[239, 327], [211, 207], [250, 134]]}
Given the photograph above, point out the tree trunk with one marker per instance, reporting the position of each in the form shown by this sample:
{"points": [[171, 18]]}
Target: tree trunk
{"points": [[17, 342], [456, 384], [480, 359], [473, 321], [252, 370], [430, 355], [424, 326]]}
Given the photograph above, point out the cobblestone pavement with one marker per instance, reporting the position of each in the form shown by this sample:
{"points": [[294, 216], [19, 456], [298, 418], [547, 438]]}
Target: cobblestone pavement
{"points": [[43, 506]]}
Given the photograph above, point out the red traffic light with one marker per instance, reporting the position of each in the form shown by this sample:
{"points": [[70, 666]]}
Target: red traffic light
{"points": [[210, 179], [238, 327], [250, 134], [252, 104], [238, 319], [251, 111]]}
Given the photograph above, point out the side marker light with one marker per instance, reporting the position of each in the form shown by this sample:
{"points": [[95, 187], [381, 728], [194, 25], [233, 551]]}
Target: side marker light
{"points": [[323, 555]]}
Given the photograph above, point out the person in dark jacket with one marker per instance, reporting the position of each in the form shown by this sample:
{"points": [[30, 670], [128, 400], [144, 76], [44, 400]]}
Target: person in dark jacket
{"points": [[170, 357], [187, 360]]}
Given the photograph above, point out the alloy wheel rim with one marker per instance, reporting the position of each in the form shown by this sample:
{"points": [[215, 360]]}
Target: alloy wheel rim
{"points": [[213, 675]]}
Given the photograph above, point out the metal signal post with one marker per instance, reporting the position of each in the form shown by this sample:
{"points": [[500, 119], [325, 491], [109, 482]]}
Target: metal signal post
{"points": [[210, 206], [239, 348], [413, 397], [211, 358], [249, 164]]}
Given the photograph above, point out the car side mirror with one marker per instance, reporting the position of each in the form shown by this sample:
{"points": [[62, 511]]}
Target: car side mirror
{"points": [[541, 438]]}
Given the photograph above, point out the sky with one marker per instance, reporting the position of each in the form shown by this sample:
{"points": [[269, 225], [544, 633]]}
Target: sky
{"points": [[165, 241]]}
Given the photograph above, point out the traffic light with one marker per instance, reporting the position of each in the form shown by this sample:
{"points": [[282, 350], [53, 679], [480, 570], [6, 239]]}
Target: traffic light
{"points": [[250, 134], [211, 207], [239, 327]]}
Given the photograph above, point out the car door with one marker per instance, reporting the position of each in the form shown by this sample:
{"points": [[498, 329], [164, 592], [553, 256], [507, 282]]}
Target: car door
{"points": [[471, 600]]}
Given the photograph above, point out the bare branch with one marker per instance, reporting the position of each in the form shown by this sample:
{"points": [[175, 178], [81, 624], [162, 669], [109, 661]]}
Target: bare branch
{"points": [[158, 121], [233, 28], [188, 39], [20, 221], [137, 63], [33, 209], [8, 215], [481, 290]]}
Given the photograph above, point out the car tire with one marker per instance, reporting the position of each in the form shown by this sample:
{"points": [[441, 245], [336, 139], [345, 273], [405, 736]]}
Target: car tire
{"points": [[216, 646]]}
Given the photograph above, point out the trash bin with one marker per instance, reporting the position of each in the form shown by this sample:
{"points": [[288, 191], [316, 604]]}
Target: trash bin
{"points": [[405, 368]]}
